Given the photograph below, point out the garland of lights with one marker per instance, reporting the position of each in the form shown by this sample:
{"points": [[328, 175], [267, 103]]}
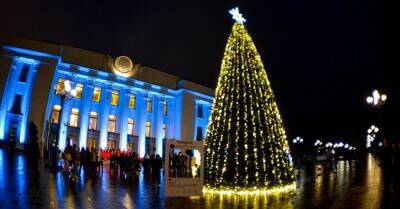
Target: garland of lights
{"points": [[246, 145]]}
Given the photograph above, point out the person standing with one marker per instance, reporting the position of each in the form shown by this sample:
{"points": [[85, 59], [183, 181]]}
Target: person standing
{"points": [[82, 157], [180, 164], [93, 161], [74, 161], [146, 164], [156, 169], [67, 160], [100, 159]]}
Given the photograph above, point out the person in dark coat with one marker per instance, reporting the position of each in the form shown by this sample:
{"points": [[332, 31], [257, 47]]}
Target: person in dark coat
{"points": [[156, 169]]}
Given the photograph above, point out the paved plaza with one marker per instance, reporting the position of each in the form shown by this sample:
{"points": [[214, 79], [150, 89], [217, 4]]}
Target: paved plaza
{"points": [[26, 184]]}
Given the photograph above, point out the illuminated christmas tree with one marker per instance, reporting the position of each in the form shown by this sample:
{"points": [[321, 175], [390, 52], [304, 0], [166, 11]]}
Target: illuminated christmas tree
{"points": [[246, 145]]}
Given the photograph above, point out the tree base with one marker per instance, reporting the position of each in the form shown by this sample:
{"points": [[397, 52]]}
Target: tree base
{"points": [[250, 191]]}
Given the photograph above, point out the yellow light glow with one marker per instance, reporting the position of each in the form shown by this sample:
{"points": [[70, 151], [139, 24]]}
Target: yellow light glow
{"points": [[246, 142], [123, 66], [253, 191]]}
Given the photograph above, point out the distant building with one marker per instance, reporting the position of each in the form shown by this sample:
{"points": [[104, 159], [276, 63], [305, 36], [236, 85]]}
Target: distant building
{"points": [[118, 104]]}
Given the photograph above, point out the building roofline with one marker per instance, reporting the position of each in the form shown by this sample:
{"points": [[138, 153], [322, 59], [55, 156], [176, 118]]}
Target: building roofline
{"points": [[101, 62]]}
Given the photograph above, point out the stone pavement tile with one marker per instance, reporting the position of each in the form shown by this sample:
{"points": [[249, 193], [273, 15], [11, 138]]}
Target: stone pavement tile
{"points": [[26, 185]]}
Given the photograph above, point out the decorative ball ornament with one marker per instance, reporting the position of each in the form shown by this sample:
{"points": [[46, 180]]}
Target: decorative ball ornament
{"points": [[123, 64]]}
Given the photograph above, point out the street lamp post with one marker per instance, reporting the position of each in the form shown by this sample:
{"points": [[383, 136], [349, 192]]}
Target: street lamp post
{"points": [[65, 92], [376, 100], [297, 142], [371, 134]]}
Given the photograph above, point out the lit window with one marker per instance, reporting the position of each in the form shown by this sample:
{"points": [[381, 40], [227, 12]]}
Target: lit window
{"points": [[112, 123], [96, 94], [73, 120], [132, 102], [60, 84], [111, 144], [55, 114], [149, 105], [199, 136], [79, 89], [164, 131], [200, 111], [114, 98], [148, 128], [93, 120], [165, 107], [131, 124], [23, 77]]}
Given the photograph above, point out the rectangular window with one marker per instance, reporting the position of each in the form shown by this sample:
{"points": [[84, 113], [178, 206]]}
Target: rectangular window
{"points": [[149, 105], [96, 94], [55, 114], [93, 120], [200, 111], [74, 118], [164, 130], [111, 144], [131, 125], [112, 123], [114, 98], [23, 77], [148, 128], [165, 107], [79, 89], [60, 84], [16, 108], [199, 136], [132, 102]]}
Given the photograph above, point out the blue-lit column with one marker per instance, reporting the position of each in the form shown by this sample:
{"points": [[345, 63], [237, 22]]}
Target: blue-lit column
{"points": [[11, 80], [86, 101], [123, 119], [105, 110], [207, 111], [159, 121], [170, 133], [141, 113], [65, 112], [26, 101]]}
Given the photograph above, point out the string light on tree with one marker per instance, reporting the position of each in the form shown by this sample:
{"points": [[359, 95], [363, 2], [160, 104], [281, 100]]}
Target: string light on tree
{"points": [[247, 147]]}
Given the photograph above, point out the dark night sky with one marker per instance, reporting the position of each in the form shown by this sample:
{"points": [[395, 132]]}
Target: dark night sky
{"points": [[323, 57]]}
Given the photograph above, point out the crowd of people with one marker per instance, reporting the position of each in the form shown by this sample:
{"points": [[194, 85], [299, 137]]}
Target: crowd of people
{"points": [[91, 160]]}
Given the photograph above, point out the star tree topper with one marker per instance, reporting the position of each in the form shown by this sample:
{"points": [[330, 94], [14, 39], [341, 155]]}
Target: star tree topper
{"points": [[237, 16]]}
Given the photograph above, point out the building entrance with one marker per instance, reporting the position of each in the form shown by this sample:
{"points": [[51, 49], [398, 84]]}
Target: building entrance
{"points": [[111, 144]]}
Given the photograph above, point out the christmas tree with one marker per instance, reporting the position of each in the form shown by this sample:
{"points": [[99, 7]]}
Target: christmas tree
{"points": [[246, 145]]}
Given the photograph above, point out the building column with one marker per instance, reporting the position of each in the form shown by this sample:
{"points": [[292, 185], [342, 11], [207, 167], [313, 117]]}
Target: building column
{"points": [[6, 99], [105, 110], [207, 112], [141, 113], [65, 114], [159, 123], [123, 119], [86, 101], [25, 105]]}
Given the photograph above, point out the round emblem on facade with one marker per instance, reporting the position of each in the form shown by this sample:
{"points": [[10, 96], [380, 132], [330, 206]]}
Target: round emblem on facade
{"points": [[123, 64]]}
